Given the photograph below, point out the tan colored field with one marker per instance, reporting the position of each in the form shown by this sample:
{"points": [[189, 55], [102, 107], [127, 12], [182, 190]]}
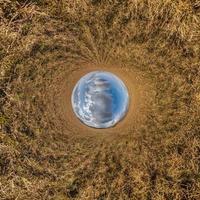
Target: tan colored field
{"points": [[46, 46]]}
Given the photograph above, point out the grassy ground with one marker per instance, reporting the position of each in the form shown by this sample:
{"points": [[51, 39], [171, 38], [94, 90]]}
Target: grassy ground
{"points": [[44, 44]]}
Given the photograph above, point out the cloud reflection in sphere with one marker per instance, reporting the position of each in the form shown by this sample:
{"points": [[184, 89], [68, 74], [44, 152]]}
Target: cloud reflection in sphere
{"points": [[100, 99]]}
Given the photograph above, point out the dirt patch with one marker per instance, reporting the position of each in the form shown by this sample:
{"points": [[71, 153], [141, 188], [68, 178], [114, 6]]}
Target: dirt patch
{"points": [[140, 91]]}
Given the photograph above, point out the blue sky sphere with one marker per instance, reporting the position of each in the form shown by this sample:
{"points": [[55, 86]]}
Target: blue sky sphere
{"points": [[100, 99]]}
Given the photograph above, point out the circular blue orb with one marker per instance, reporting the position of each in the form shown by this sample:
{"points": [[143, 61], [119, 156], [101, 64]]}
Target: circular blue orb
{"points": [[100, 99]]}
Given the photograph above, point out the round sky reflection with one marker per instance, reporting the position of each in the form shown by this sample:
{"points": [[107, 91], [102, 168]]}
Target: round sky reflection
{"points": [[100, 99]]}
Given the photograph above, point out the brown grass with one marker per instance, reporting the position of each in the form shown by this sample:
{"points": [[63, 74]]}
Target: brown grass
{"points": [[45, 153]]}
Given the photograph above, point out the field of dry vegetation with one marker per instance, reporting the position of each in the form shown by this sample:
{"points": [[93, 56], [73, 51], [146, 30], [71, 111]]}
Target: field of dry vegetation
{"points": [[44, 154]]}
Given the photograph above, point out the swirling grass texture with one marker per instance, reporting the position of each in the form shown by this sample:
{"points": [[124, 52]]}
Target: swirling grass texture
{"points": [[46, 46]]}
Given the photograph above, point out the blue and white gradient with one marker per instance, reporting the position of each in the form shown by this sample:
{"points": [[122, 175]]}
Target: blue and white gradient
{"points": [[100, 99]]}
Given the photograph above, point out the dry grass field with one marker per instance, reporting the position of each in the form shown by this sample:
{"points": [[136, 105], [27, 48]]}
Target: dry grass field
{"points": [[45, 47]]}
